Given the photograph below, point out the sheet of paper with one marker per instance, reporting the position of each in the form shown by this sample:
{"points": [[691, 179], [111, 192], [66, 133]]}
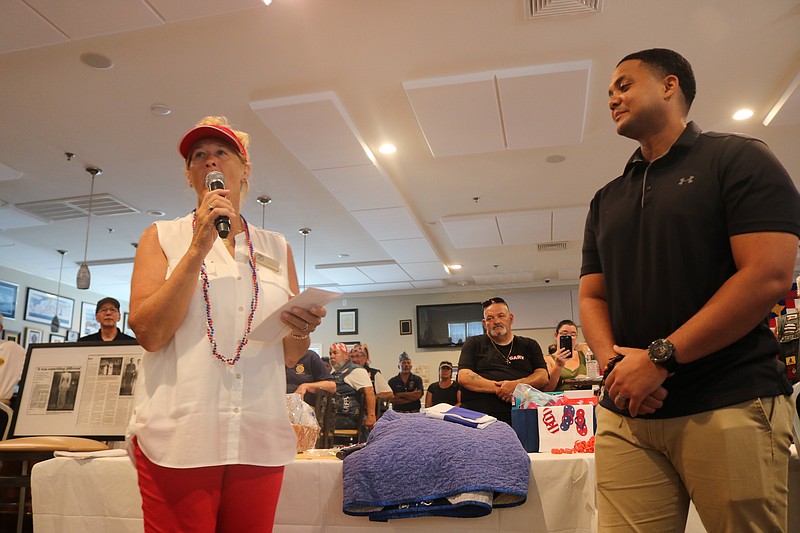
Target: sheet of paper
{"points": [[272, 329]]}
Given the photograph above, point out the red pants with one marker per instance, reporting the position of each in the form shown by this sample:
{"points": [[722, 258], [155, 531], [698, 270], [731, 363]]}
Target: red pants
{"points": [[213, 499]]}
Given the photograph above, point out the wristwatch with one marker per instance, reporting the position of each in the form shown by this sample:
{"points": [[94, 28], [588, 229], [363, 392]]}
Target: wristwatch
{"points": [[662, 353]]}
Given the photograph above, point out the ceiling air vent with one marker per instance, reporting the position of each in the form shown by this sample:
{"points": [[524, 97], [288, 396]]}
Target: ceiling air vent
{"points": [[553, 8], [77, 207], [551, 246]]}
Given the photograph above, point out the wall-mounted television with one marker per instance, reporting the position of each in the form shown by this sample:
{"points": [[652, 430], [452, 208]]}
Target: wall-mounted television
{"points": [[446, 325]]}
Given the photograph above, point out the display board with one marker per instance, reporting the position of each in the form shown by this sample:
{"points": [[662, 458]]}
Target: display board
{"points": [[83, 389]]}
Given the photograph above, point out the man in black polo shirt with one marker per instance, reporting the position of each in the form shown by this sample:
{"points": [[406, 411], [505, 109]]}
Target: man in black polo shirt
{"points": [[107, 314], [407, 388], [683, 257], [491, 365]]}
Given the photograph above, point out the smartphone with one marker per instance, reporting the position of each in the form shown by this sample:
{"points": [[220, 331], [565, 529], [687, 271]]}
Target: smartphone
{"points": [[565, 341]]}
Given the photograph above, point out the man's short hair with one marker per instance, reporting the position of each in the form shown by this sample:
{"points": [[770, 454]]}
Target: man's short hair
{"points": [[107, 300], [667, 62]]}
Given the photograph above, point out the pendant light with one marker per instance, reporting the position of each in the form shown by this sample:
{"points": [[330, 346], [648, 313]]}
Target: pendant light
{"points": [[304, 232], [264, 200], [55, 324], [84, 276]]}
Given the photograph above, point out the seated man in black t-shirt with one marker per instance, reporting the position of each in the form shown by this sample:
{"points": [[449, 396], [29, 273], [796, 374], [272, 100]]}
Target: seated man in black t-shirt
{"points": [[493, 364]]}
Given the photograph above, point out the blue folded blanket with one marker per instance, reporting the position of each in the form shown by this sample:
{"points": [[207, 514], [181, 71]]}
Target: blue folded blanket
{"points": [[413, 465]]}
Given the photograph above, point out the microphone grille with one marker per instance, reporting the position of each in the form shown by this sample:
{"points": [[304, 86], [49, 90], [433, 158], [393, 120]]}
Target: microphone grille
{"points": [[214, 175]]}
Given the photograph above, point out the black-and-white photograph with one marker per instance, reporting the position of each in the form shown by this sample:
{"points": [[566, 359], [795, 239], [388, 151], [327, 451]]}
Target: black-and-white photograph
{"points": [[63, 390]]}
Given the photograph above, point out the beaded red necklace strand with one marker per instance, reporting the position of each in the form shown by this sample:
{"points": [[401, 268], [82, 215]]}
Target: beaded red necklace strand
{"points": [[253, 301]]}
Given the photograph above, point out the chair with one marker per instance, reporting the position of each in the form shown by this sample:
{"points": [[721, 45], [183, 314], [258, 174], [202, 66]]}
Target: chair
{"points": [[6, 414], [355, 435], [325, 409], [29, 450], [381, 406]]}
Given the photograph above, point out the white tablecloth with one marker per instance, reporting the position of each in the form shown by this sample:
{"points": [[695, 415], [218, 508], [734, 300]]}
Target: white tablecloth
{"points": [[101, 495]]}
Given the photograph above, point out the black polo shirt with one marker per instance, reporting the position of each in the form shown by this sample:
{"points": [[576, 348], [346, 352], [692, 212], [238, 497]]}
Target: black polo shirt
{"points": [[660, 235]]}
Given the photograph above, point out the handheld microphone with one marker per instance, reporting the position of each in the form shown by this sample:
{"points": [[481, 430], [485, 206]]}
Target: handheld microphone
{"points": [[215, 180]]}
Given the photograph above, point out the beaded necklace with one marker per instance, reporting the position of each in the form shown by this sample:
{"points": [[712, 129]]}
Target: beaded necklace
{"points": [[253, 301], [496, 347]]}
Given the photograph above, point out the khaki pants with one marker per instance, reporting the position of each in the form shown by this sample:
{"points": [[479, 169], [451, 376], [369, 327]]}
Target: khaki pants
{"points": [[732, 462]]}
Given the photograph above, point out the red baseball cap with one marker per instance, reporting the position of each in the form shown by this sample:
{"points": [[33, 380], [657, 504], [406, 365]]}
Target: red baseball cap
{"points": [[209, 131]]}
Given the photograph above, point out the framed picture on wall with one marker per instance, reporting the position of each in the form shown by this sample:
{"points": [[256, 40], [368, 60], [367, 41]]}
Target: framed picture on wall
{"points": [[405, 327], [72, 336], [33, 336], [89, 324], [12, 336], [40, 307], [54, 337], [125, 328], [8, 299], [347, 321]]}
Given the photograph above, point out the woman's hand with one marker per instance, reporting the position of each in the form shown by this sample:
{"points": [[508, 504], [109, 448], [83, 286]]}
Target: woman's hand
{"points": [[213, 205], [303, 320], [561, 356]]}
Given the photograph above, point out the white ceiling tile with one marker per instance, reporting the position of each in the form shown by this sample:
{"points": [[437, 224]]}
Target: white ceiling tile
{"points": [[409, 250], [97, 17], [376, 287], [524, 227], [13, 218], [316, 129], [457, 114], [427, 270], [22, 28], [544, 105], [569, 223], [360, 187], [428, 284], [344, 275], [7, 173], [388, 224], [472, 231], [385, 273], [175, 10]]}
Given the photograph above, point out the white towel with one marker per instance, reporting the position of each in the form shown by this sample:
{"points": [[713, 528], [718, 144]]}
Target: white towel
{"points": [[459, 415], [90, 455]]}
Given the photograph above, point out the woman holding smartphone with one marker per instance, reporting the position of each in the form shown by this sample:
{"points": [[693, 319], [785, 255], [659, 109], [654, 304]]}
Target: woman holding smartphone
{"points": [[569, 361]]}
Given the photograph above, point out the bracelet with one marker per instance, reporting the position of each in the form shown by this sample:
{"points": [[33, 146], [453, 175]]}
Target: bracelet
{"points": [[299, 337]]}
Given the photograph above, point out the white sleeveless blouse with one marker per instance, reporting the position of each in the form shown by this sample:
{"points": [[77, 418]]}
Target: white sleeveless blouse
{"points": [[193, 410]]}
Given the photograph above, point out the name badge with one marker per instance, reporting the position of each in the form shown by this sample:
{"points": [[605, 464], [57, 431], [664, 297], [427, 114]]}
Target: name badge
{"points": [[268, 262]]}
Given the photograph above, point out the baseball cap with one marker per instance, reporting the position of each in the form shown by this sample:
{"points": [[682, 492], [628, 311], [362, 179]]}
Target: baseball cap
{"points": [[403, 357], [209, 131], [106, 300], [446, 364]]}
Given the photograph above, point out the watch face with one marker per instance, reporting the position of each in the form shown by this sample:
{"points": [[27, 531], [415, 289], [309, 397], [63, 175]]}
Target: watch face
{"points": [[661, 350]]}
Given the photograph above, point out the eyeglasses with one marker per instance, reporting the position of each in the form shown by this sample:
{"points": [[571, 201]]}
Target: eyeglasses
{"points": [[104, 310], [567, 333], [490, 301]]}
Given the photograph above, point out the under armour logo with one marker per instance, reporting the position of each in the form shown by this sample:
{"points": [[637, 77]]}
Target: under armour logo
{"points": [[682, 181]]}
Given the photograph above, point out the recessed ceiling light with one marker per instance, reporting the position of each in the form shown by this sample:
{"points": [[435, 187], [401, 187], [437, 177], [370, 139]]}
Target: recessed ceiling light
{"points": [[342, 256], [97, 61], [743, 114], [455, 266], [387, 148], [160, 109], [555, 158], [156, 213]]}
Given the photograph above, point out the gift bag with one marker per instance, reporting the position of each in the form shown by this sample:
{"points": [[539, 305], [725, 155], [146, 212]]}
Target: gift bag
{"points": [[304, 422], [554, 426]]}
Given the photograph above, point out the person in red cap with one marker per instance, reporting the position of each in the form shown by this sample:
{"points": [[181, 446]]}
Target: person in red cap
{"points": [[210, 432]]}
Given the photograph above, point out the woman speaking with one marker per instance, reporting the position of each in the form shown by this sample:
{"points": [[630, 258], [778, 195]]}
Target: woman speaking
{"points": [[210, 432]]}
